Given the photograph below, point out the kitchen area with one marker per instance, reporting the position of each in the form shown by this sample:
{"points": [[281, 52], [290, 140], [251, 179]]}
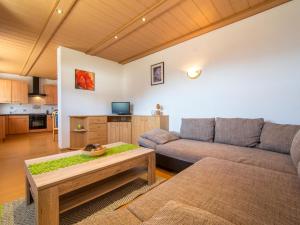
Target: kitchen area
{"points": [[26, 105]]}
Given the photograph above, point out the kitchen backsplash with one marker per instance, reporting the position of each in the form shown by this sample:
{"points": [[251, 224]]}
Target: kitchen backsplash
{"points": [[25, 109], [36, 104]]}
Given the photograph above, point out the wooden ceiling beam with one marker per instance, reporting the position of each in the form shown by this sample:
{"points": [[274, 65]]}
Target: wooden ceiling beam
{"points": [[150, 13], [52, 24], [224, 22]]}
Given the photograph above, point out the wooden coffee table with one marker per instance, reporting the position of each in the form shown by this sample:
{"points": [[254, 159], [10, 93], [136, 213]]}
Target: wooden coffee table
{"points": [[58, 191]]}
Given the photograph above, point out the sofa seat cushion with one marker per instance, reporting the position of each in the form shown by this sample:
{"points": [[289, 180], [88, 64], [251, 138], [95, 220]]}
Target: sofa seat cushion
{"points": [[175, 213], [238, 131], [202, 129], [117, 217], [239, 193], [159, 136], [192, 151], [277, 137]]}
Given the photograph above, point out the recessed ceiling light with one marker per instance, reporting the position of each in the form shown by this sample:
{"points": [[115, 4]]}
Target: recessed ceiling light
{"points": [[143, 19], [59, 11], [116, 37]]}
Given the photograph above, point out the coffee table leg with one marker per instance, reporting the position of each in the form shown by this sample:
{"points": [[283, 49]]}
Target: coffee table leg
{"points": [[47, 207], [28, 196], [151, 168]]}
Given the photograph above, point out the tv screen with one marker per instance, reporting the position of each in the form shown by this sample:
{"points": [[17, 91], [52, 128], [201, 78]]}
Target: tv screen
{"points": [[120, 108]]}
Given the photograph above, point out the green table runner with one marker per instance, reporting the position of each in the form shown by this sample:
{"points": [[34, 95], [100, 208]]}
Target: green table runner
{"points": [[56, 164], [1, 212]]}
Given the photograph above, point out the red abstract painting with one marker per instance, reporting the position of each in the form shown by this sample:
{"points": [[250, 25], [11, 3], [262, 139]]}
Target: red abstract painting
{"points": [[84, 80]]}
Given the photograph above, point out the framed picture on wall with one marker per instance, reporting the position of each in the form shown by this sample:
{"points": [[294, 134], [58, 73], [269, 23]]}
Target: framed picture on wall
{"points": [[84, 80], [157, 73]]}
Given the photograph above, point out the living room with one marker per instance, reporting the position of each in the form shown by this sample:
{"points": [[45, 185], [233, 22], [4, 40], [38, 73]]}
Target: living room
{"points": [[230, 83]]}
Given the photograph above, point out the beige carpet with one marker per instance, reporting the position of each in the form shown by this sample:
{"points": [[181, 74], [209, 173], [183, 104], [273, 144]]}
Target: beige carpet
{"points": [[18, 213]]}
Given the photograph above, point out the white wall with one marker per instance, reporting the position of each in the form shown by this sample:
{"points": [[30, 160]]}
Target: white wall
{"points": [[34, 105], [250, 69], [73, 101]]}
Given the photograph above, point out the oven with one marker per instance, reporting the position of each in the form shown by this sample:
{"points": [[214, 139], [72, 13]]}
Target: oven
{"points": [[37, 121]]}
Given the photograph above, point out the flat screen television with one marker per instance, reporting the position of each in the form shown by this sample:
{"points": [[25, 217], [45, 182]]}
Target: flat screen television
{"points": [[120, 108]]}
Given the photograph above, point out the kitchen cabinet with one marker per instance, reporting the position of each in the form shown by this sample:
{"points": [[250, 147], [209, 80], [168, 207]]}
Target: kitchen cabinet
{"points": [[119, 131], [97, 130], [112, 128], [113, 132], [5, 93], [13, 91], [2, 128], [49, 123], [93, 131], [6, 125], [125, 132], [19, 92], [18, 124], [51, 94]]}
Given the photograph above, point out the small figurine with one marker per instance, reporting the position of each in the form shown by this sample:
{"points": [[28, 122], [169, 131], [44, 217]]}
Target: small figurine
{"points": [[158, 110]]}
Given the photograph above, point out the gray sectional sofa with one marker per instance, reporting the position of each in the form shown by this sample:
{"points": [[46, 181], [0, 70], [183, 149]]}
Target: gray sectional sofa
{"points": [[248, 141], [244, 172]]}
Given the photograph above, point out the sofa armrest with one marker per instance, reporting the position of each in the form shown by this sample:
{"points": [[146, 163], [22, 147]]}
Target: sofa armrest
{"points": [[295, 150], [178, 213]]}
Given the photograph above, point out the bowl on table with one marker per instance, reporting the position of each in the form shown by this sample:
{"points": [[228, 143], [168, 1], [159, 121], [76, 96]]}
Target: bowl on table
{"points": [[94, 150]]}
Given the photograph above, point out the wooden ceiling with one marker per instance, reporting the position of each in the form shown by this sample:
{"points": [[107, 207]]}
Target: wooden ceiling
{"points": [[31, 30]]}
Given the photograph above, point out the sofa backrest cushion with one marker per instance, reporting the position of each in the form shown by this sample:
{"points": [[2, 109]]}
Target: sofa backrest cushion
{"points": [[159, 136], [238, 131], [295, 151], [175, 213], [277, 137], [201, 129]]}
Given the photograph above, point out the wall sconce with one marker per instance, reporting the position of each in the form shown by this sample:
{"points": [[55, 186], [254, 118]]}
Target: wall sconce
{"points": [[194, 73]]}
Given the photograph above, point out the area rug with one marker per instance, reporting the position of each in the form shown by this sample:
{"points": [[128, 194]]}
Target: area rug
{"points": [[18, 213]]}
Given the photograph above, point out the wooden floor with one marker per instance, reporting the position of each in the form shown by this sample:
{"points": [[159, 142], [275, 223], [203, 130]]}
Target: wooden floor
{"points": [[17, 148]]}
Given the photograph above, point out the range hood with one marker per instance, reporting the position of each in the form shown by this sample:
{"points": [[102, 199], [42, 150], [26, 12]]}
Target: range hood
{"points": [[36, 88]]}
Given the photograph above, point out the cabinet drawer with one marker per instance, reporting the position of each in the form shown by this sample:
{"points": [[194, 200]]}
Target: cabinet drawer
{"points": [[93, 120], [18, 124], [96, 135], [98, 140], [99, 127]]}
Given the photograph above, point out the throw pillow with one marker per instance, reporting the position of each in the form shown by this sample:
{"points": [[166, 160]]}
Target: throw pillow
{"points": [[238, 131], [277, 137], [159, 136], [201, 129]]}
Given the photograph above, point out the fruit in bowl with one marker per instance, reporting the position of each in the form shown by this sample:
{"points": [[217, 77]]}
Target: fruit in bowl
{"points": [[94, 150]]}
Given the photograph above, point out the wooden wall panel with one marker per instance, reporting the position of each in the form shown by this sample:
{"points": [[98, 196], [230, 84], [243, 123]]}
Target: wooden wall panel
{"points": [[255, 2], [208, 9], [46, 66], [190, 8], [224, 7], [19, 30], [239, 5], [91, 25]]}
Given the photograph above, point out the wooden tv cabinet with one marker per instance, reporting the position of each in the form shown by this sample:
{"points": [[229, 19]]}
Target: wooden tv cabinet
{"points": [[106, 129]]}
